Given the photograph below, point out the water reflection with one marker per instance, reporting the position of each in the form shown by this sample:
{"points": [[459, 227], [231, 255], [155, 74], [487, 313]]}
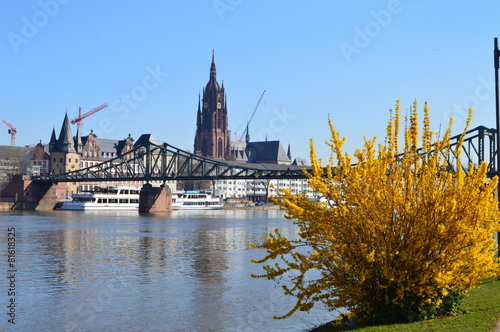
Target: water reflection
{"points": [[188, 271]]}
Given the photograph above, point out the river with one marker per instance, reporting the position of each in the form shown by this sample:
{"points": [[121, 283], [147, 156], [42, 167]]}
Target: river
{"points": [[121, 271]]}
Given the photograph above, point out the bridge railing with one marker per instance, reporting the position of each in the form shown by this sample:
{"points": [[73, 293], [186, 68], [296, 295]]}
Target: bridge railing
{"points": [[478, 146]]}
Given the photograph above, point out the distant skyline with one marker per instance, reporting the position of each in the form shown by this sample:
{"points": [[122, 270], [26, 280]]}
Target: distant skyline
{"points": [[150, 60]]}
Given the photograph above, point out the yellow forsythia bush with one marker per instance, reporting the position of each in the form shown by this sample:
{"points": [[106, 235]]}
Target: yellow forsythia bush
{"points": [[400, 236]]}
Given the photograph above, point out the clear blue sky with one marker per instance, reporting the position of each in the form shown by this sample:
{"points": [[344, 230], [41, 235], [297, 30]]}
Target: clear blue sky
{"points": [[149, 60]]}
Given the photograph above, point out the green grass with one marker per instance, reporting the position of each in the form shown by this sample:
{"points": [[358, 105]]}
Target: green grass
{"points": [[482, 305]]}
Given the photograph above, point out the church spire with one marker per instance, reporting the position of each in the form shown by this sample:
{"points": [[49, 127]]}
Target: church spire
{"points": [[198, 115], [212, 68]]}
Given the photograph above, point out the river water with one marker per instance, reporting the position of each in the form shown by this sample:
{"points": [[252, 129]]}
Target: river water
{"points": [[121, 271]]}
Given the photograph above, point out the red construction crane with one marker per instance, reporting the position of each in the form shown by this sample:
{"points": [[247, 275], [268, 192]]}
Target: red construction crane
{"points": [[83, 116], [12, 132]]}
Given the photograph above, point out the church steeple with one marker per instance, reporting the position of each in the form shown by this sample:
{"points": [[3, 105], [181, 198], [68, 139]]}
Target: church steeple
{"points": [[198, 116], [212, 68], [212, 136]]}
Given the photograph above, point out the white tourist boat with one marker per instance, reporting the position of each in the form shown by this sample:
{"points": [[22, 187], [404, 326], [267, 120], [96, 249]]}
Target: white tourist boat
{"points": [[111, 198], [176, 205], [193, 200]]}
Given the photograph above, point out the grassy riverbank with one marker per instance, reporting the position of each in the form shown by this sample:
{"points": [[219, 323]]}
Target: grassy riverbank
{"points": [[482, 307]]}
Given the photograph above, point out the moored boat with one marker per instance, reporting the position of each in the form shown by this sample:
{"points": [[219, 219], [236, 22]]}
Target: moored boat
{"points": [[193, 200], [108, 198], [176, 205]]}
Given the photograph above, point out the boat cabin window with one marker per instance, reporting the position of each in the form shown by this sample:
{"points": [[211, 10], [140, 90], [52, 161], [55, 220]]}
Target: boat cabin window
{"points": [[195, 196], [83, 199]]}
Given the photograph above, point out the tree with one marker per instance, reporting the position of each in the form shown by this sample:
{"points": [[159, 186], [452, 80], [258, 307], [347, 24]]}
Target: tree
{"points": [[400, 236]]}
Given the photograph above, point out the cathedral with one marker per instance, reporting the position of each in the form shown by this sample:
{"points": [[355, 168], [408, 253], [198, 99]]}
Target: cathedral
{"points": [[213, 138]]}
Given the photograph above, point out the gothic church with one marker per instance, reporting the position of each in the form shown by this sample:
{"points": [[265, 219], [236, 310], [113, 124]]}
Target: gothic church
{"points": [[213, 139]]}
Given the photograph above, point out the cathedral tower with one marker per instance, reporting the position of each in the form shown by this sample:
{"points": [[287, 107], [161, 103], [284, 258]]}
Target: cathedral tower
{"points": [[212, 137]]}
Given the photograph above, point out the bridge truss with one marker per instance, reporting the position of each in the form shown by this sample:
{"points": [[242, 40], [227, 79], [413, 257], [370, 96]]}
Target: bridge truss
{"points": [[163, 162], [479, 145]]}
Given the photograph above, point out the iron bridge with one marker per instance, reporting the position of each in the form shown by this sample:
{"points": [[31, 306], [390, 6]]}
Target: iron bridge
{"points": [[154, 161], [163, 162]]}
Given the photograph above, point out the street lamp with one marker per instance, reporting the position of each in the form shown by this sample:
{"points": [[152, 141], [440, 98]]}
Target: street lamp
{"points": [[496, 56]]}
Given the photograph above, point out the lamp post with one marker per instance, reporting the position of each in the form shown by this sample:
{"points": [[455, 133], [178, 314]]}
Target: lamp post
{"points": [[496, 55]]}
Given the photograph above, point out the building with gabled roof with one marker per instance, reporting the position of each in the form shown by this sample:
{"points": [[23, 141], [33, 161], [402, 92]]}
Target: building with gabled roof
{"points": [[68, 153], [267, 152]]}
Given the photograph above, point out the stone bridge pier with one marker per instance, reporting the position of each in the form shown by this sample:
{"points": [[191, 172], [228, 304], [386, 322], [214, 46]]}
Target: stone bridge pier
{"points": [[29, 195], [155, 199]]}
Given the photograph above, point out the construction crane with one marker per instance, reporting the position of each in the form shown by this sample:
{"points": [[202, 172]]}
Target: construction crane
{"points": [[245, 133], [83, 116], [12, 131]]}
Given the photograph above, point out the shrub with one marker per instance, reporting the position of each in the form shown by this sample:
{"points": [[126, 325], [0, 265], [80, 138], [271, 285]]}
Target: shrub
{"points": [[401, 236]]}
